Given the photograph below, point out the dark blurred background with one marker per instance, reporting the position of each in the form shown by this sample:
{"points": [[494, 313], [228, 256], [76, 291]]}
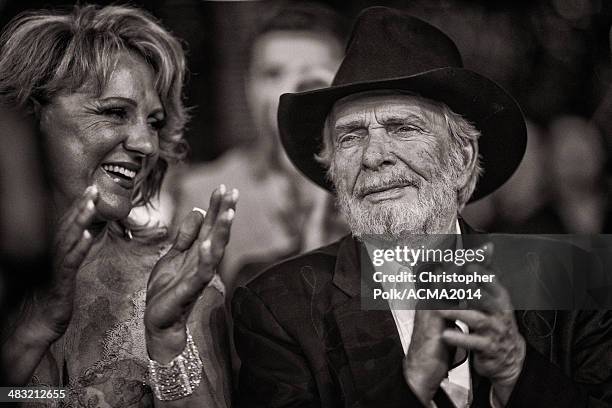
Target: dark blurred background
{"points": [[552, 55]]}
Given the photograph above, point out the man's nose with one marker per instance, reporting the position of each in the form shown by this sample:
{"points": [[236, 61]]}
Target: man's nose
{"points": [[141, 139], [376, 153]]}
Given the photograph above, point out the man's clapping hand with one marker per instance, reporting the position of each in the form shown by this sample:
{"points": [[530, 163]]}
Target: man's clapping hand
{"points": [[498, 347], [493, 337], [427, 360]]}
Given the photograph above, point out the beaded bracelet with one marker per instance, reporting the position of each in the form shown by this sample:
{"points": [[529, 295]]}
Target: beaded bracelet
{"points": [[178, 378]]}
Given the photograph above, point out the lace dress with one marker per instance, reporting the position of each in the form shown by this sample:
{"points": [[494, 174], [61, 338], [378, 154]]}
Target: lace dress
{"points": [[102, 357]]}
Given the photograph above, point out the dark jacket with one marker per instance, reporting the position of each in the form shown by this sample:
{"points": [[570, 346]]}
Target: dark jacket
{"points": [[304, 341]]}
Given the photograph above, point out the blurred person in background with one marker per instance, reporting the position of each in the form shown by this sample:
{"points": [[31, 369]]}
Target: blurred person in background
{"points": [[128, 317], [602, 119], [297, 49], [577, 163]]}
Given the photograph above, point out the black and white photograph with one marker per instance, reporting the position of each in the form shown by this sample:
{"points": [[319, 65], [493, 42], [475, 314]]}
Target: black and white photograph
{"points": [[306, 203]]}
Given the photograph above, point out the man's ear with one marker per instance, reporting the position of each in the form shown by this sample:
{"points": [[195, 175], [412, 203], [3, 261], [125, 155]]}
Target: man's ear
{"points": [[469, 159]]}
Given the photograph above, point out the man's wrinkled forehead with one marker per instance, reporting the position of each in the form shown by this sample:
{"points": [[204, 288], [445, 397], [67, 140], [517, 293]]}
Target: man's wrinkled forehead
{"points": [[393, 102]]}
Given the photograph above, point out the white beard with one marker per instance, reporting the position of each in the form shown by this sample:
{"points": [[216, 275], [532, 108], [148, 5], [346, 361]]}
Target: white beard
{"points": [[433, 213]]}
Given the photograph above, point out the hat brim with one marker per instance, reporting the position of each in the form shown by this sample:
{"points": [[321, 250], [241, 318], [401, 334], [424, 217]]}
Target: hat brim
{"points": [[478, 99]]}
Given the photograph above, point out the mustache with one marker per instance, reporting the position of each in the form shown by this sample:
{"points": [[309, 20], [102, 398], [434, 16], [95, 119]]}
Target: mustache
{"points": [[387, 182]]}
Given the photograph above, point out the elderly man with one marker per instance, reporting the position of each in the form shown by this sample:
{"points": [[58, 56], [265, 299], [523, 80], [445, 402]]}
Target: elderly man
{"points": [[406, 137]]}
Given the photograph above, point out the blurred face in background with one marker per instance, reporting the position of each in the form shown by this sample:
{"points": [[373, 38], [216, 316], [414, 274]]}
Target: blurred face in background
{"points": [[110, 140], [287, 61]]}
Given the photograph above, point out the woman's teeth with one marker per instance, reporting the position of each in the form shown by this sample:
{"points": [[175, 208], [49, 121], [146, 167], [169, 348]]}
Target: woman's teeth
{"points": [[119, 170]]}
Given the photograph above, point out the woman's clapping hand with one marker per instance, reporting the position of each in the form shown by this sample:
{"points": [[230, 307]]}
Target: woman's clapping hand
{"points": [[179, 277], [51, 310], [46, 317]]}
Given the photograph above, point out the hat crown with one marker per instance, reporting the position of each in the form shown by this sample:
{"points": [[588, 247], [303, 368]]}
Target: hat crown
{"points": [[388, 43]]}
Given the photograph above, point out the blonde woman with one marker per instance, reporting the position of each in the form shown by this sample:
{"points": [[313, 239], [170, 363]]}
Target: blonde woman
{"points": [[130, 318]]}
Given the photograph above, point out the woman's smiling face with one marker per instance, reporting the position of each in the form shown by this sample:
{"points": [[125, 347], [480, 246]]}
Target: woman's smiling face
{"points": [[108, 140]]}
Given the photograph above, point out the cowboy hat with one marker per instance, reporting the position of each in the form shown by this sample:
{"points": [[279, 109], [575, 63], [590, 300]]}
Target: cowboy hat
{"points": [[390, 49]]}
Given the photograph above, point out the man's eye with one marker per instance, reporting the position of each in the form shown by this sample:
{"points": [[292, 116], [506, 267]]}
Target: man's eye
{"points": [[407, 129], [348, 139]]}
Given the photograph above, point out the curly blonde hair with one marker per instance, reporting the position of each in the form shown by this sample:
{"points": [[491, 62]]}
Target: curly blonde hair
{"points": [[46, 52]]}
